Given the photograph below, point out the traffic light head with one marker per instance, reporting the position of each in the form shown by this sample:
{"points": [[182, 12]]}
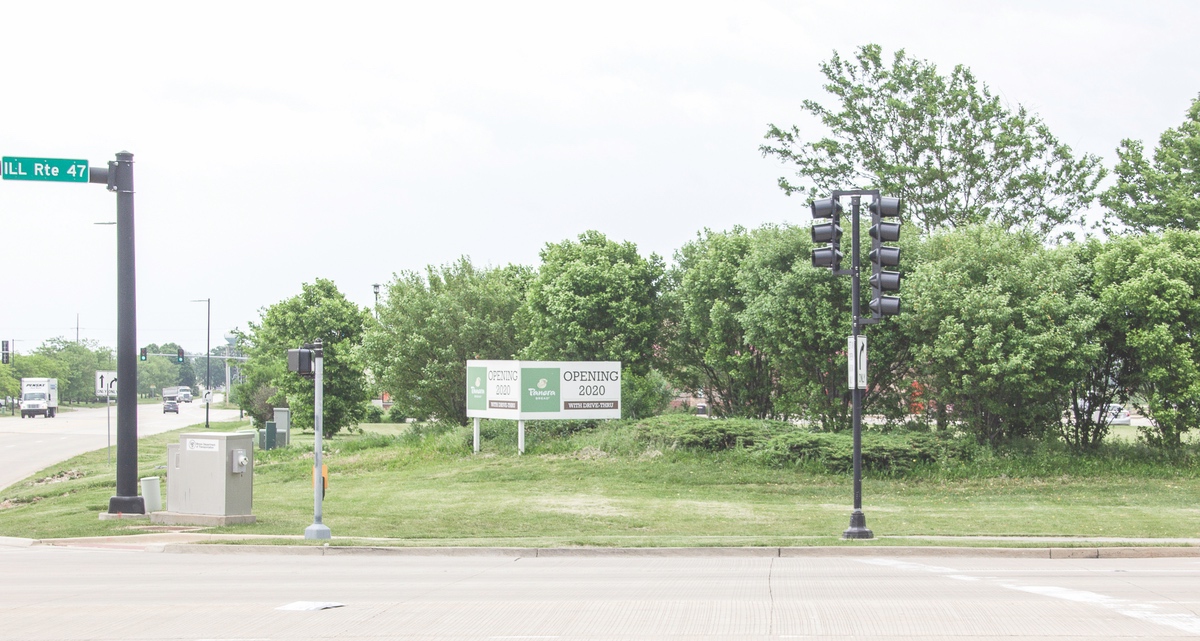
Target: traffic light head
{"points": [[884, 256], [826, 208], [827, 232], [301, 362], [179, 355], [142, 354], [886, 207], [4, 352]]}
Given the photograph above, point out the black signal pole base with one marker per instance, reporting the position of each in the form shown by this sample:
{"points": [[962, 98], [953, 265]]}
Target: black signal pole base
{"points": [[126, 505], [858, 527]]}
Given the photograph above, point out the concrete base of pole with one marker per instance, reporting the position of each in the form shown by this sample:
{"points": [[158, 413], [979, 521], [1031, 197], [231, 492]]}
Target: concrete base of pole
{"points": [[858, 527], [123, 516], [317, 531], [126, 504]]}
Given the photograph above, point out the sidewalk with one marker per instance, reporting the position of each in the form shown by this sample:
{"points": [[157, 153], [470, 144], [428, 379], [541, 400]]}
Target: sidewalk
{"points": [[1057, 547]]}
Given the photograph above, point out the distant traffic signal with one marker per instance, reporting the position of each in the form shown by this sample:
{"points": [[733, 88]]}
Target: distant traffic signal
{"points": [[884, 256], [831, 232], [179, 355], [142, 355], [4, 352]]}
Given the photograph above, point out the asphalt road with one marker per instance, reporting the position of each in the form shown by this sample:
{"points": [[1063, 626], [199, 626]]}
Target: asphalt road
{"points": [[32, 444], [74, 593]]}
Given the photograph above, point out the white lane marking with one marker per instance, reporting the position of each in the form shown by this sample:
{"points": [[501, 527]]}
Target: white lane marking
{"points": [[1145, 611]]}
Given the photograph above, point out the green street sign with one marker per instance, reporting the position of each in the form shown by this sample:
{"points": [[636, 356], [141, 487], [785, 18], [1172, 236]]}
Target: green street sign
{"points": [[51, 169]]}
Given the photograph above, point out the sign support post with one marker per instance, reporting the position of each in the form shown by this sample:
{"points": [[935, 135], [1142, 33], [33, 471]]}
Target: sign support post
{"points": [[318, 530]]}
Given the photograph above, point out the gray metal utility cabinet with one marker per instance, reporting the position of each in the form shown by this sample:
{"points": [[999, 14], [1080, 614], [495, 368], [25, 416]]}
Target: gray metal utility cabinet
{"points": [[210, 480]]}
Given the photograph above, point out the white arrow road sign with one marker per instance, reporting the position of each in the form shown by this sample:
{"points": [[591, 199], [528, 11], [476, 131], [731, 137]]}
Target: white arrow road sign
{"points": [[857, 361], [106, 383]]}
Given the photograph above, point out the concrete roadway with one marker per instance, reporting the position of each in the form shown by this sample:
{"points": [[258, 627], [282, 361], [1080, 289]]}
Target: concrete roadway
{"points": [[79, 593], [32, 444]]}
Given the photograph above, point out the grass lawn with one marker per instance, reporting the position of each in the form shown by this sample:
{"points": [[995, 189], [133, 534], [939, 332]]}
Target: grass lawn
{"points": [[620, 485]]}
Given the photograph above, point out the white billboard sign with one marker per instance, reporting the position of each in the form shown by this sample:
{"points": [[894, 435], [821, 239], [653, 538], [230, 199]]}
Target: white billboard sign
{"points": [[544, 390], [493, 389]]}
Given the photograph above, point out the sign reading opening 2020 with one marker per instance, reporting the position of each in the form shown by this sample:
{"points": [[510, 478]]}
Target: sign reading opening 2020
{"points": [[521, 390]]}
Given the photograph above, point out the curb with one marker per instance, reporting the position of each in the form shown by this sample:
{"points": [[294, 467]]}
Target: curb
{"points": [[714, 552]]}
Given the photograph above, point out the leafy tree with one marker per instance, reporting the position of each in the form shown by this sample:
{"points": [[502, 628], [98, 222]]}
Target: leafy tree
{"points": [[798, 317], [1150, 291], [1162, 193], [1003, 325], [199, 369], [707, 349], [1107, 376], [945, 144], [38, 366], [320, 311], [596, 300], [10, 385], [155, 373], [430, 325], [78, 364]]}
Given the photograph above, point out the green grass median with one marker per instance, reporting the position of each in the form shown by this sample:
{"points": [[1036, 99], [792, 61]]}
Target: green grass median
{"points": [[668, 481]]}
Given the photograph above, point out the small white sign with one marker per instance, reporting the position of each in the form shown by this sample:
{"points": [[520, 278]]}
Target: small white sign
{"points": [[856, 362], [106, 382], [203, 444]]}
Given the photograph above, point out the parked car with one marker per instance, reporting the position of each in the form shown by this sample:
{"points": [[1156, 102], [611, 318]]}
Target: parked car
{"points": [[1117, 415], [170, 406]]}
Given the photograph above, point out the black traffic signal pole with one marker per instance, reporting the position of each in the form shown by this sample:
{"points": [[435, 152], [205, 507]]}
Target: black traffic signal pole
{"points": [[119, 178], [858, 520]]}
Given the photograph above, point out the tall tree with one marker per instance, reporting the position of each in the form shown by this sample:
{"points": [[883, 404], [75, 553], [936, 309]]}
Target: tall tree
{"points": [[707, 349], [1003, 326], [595, 299], [1164, 192], [945, 144], [598, 300], [320, 311], [429, 325], [1150, 291], [78, 364]]}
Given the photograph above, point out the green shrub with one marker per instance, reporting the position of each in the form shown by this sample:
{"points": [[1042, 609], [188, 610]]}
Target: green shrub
{"points": [[396, 414], [895, 453], [700, 432], [373, 414]]}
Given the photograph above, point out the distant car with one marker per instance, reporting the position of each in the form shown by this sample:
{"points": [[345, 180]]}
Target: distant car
{"points": [[1117, 415], [170, 406]]}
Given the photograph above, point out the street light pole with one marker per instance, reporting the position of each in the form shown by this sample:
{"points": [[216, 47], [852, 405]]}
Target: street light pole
{"points": [[207, 359], [119, 177], [376, 288]]}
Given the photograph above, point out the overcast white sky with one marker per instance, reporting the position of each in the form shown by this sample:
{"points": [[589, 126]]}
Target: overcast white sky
{"points": [[276, 143]]}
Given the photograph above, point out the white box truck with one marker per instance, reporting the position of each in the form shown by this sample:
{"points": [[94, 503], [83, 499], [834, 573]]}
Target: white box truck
{"points": [[170, 394], [39, 397]]}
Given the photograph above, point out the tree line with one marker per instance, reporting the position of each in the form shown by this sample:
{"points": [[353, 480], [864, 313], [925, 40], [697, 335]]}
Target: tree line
{"points": [[75, 363], [1021, 319]]}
